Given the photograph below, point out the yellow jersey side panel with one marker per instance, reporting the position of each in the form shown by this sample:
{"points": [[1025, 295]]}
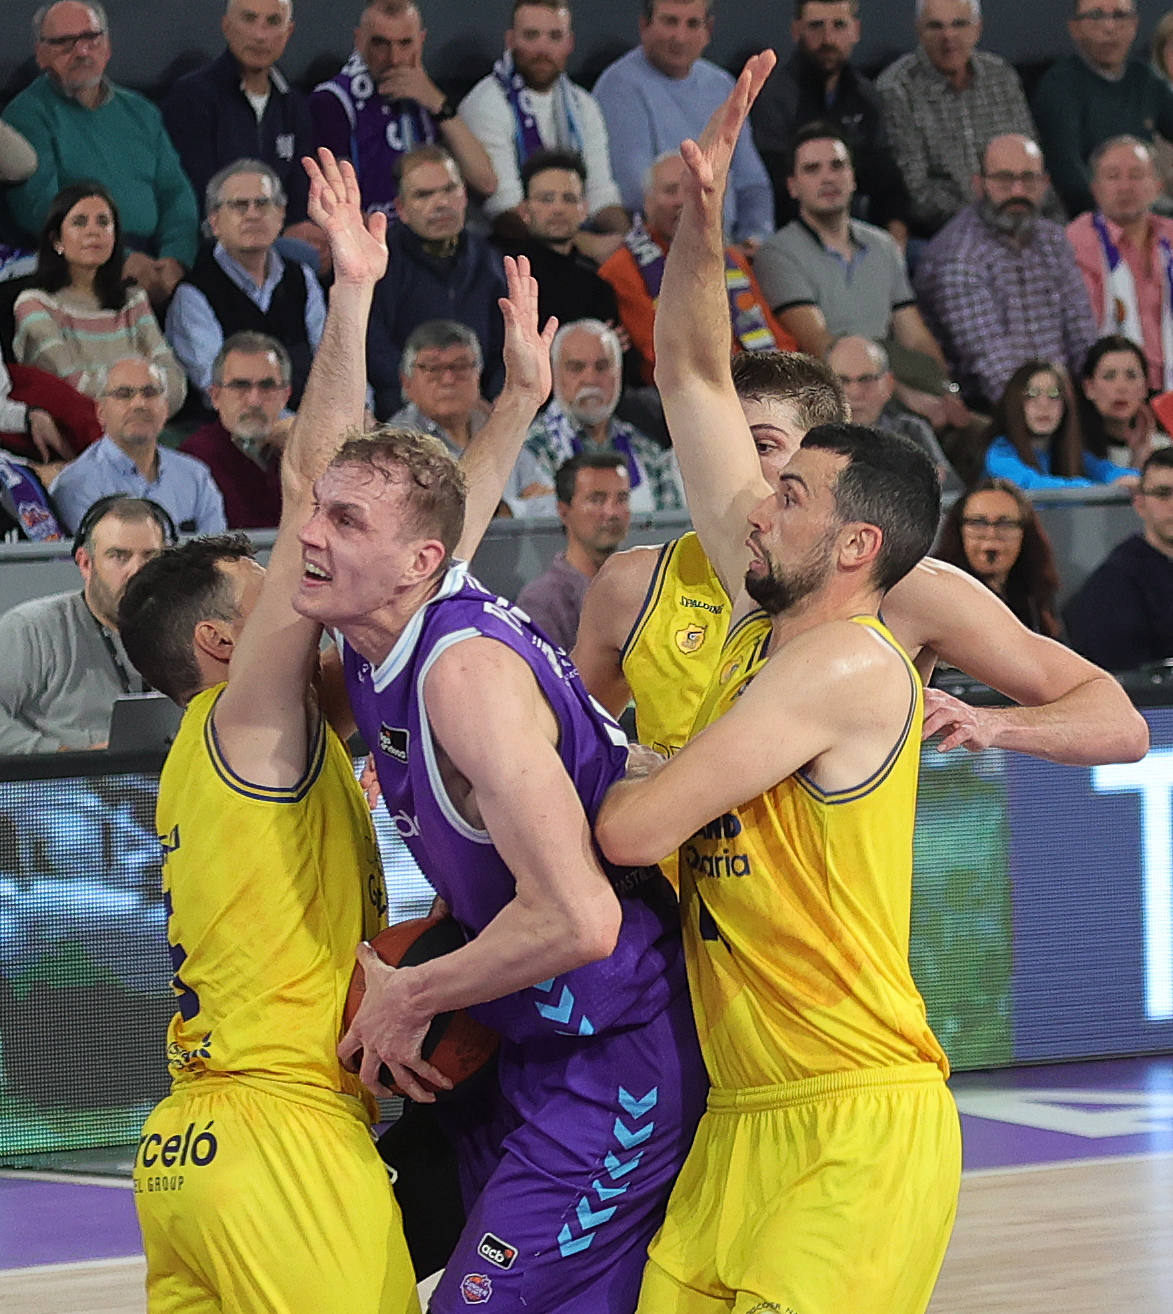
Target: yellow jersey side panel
{"points": [[796, 911], [675, 644], [268, 891]]}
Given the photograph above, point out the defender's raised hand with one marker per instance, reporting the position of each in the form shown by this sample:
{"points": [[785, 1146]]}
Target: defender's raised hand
{"points": [[358, 242], [709, 158], [527, 350]]}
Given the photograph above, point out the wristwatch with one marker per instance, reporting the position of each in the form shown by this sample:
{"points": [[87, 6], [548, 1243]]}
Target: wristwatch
{"points": [[446, 111]]}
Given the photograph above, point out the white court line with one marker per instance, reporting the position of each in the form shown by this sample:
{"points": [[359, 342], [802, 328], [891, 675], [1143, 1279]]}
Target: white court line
{"points": [[124, 1261], [69, 1179], [1018, 1168]]}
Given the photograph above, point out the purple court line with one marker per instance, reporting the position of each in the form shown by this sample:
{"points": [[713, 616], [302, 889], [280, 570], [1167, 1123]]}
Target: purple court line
{"points": [[62, 1222]]}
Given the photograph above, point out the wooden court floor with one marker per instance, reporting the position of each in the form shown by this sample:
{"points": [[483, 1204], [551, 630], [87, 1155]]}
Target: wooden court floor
{"points": [[1093, 1237]]}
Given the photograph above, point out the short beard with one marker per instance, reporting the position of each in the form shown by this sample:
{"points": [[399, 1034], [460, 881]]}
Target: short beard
{"points": [[1014, 223], [595, 411], [777, 594]]}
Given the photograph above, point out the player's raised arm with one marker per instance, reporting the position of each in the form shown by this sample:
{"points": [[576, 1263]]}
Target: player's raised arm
{"points": [[491, 454], [1071, 711], [564, 913], [262, 720], [722, 478]]}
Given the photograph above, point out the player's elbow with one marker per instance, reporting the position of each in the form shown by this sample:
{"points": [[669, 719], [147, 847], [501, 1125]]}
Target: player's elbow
{"points": [[1134, 738], [595, 928], [624, 842]]}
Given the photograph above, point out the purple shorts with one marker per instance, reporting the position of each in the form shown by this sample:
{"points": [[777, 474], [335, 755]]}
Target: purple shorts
{"points": [[570, 1175]]}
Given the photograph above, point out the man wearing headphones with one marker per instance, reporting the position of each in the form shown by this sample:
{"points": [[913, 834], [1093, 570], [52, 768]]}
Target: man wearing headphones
{"points": [[64, 664]]}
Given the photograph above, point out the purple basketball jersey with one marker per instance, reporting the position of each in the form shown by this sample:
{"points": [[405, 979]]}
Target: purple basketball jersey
{"points": [[645, 973]]}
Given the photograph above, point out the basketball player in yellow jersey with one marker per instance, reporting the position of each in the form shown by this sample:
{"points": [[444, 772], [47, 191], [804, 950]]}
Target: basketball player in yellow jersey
{"points": [[257, 1183]]}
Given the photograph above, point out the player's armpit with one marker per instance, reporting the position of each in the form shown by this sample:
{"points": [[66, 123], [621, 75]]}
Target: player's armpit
{"points": [[609, 613]]}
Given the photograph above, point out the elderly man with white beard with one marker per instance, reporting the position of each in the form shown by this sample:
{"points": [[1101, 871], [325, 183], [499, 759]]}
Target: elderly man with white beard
{"points": [[587, 357]]}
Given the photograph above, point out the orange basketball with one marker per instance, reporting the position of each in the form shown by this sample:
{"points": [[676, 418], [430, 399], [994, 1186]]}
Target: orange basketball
{"points": [[456, 1043]]}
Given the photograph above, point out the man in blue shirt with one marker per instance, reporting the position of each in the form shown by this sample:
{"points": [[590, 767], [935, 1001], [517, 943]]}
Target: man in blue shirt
{"points": [[127, 458], [663, 91]]}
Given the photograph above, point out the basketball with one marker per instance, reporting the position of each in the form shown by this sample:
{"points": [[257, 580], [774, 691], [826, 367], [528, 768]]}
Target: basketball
{"points": [[456, 1043]]}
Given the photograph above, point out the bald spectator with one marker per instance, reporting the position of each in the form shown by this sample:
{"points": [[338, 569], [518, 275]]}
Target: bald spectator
{"points": [[128, 459], [862, 367], [384, 104], [636, 270], [942, 103], [437, 270], [243, 283], [586, 363], [1125, 253], [242, 446], [1097, 93], [527, 105], [819, 82], [593, 500], [240, 106], [64, 664], [999, 284], [83, 126], [662, 92]]}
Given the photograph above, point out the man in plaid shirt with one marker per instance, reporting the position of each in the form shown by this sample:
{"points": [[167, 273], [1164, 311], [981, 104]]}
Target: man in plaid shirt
{"points": [[999, 285]]}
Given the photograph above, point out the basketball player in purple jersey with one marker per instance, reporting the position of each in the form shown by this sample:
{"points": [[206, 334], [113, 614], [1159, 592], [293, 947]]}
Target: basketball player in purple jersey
{"points": [[494, 758]]}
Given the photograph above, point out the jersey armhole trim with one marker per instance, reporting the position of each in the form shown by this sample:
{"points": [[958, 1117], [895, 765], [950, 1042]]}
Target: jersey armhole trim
{"points": [[266, 793], [651, 598]]}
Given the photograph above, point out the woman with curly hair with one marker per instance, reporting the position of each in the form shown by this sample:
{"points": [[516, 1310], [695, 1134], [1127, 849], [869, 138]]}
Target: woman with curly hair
{"points": [[993, 533], [1035, 438], [80, 316]]}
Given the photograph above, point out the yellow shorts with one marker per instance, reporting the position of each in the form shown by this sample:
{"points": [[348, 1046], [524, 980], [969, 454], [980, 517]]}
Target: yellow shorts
{"points": [[834, 1195], [273, 1203]]}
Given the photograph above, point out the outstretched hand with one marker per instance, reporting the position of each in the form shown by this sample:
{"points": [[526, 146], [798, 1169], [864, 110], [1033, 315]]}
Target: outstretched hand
{"points": [[527, 351], [358, 242], [709, 158]]}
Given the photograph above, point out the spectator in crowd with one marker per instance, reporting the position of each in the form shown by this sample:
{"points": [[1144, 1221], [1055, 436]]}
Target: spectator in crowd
{"points": [[528, 104], [637, 268], [1035, 438], [999, 284], [241, 107], [827, 275], [593, 495], [662, 92], [993, 533], [243, 282], [383, 104], [436, 269], [942, 103], [818, 82], [82, 125], [1118, 423], [862, 367], [1122, 617], [251, 382], [80, 315], [440, 378], [1125, 253], [128, 458], [553, 211], [64, 664], [1085, 98], [586, 361], [25, 510], [29, 430]]}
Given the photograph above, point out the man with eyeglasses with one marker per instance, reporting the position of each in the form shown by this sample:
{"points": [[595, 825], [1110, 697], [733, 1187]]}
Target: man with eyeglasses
{"points": [[83, 126], [999, 284], [436, 269], [132, 407], [440, 377], [243, 283], [1122, 616], [818, 81], [1097, 93], [242, 447], [942, 103]]}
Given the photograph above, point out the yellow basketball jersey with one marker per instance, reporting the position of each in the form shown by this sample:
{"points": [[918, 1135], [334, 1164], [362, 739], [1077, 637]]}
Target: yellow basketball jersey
{"points": [[268, 891], [672, 651], [796, 911]]}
